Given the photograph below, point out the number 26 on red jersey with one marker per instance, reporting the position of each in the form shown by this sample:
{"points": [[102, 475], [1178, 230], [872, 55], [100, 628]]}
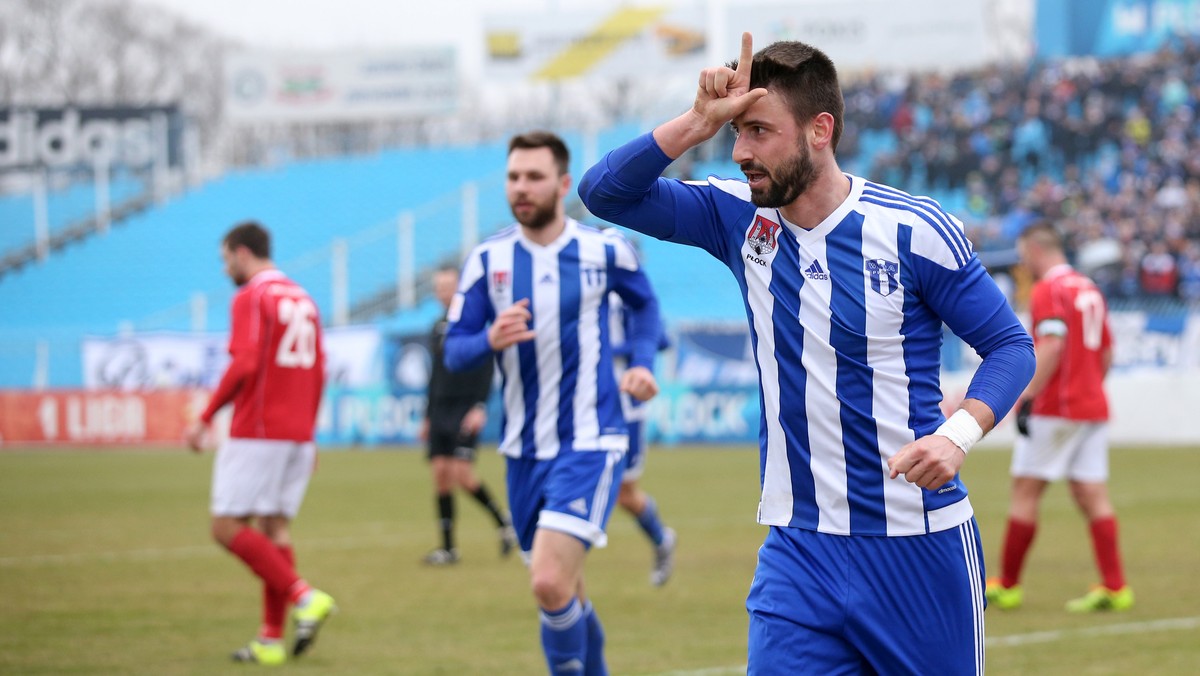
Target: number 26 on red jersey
{"points": [[298, 345]]}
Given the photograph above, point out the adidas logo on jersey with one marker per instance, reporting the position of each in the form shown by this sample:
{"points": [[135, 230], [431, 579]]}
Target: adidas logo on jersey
{"points": [[815, 271], [546, 279], [579, 506]]}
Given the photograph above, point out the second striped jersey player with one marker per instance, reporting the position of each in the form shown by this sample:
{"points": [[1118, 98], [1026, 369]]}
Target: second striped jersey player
{"points": [[536, 297]]}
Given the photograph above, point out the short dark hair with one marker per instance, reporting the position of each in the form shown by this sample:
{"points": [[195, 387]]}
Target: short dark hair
{"points": [[252, 235], [543, 139], [1044, 234], [804, 76]]}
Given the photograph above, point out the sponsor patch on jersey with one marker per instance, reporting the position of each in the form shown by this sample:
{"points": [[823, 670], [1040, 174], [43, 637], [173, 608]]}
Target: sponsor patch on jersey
{"points": [[816, 272], [761, 236], [882, 274]]}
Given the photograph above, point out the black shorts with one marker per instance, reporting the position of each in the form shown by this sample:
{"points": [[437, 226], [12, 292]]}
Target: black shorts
{"points": [[447, 440]]}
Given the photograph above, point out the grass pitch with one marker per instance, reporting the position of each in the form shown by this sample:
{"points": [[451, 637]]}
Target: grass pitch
{"points": [[106, 567]]}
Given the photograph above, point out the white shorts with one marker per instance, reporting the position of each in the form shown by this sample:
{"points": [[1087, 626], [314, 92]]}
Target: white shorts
{"points": [[261, 477], [1058, 448]]}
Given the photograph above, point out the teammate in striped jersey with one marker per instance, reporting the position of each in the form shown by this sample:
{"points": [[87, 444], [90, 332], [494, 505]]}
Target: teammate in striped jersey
{"points": [[873, 562], [535, 296], [1067, 430], [633, 498]]}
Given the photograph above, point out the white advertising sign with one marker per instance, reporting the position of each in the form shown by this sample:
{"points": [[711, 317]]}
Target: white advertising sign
{"points": [[871, 34], [357, 85], [150, 361]]}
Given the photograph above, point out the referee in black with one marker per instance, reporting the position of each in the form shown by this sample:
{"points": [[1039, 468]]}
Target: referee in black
{"points": [[454, 416]]}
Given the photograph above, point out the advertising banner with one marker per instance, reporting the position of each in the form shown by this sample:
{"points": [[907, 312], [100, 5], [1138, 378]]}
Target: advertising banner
{"points": [[166, 360], [97, 418], [391, 410], [627, 41], [71, 137], [148, 361], [871, 34], [713, 396], [340, 86], [1112, 27]]}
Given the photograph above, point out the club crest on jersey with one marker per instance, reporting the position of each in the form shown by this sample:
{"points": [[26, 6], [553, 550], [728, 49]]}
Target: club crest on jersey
{"points": [[761, 236], [500, 281], [883, 275]]}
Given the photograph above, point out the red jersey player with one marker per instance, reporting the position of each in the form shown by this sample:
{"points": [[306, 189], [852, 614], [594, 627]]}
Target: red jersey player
{"points": [[1066, 432], [261, 472]]}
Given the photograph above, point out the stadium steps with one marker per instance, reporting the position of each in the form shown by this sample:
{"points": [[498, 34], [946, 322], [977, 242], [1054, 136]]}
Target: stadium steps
{"points": [[21, 256]]}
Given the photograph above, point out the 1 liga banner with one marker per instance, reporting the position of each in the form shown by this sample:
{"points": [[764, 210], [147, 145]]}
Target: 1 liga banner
{"points": [[98, 417]]}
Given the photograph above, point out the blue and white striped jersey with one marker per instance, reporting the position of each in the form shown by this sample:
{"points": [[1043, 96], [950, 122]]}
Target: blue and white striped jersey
{"points": [[846, 324], [620, 323], [558, 390]]}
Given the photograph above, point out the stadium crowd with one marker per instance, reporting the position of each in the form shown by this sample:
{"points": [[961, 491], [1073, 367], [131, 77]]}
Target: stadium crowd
{"points": [[1107, 149]]}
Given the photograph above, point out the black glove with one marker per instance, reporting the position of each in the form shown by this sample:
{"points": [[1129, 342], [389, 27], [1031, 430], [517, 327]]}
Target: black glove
{"points": [[1023, 417]]}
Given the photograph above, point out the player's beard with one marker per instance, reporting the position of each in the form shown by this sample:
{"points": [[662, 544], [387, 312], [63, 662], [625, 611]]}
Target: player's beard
{"points": [[788, 182], [238, 276], [540, 216]]}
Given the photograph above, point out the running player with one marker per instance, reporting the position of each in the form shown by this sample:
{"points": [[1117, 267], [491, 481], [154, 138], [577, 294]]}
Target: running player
{"points": [[632, 498], [535, 297]]}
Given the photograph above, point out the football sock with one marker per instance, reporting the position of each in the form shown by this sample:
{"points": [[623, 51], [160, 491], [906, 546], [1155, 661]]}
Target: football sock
{"points": [[445, 507], [650, 523], [484, 498], [275, 603], [1108, 558], [565, 638], [1017, 540], [268, 563], [594, 664]]}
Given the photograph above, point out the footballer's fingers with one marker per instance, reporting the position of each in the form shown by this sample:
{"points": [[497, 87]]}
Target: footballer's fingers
{"points": [[900, 462], [508, 332], [520, 309], [711, 85], [747, 56]]}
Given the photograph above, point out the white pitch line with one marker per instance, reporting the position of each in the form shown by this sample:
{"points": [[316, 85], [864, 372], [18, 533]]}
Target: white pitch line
{"points": [[1150, 626], [1172, 624]]}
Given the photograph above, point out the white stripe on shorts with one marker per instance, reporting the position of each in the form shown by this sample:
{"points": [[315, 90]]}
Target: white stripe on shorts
{"points": [[966, 533]]}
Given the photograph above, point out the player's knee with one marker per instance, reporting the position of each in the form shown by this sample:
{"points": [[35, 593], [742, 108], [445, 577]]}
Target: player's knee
{"points": [[223, 531], [551, 589], [630, 497]]}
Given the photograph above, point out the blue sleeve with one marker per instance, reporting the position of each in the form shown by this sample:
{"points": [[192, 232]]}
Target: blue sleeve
{"points": [[621, 349], [641, 309], [625, 187], [466, 339], [975, 309]]}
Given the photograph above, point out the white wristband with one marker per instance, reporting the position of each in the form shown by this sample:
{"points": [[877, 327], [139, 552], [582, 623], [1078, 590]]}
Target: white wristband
{"points": [[962, 429]]}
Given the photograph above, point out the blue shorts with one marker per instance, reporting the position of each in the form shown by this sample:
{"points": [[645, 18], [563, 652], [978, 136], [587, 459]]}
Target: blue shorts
{"points": [[573, 492], [837, 604], [635, 457]]}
